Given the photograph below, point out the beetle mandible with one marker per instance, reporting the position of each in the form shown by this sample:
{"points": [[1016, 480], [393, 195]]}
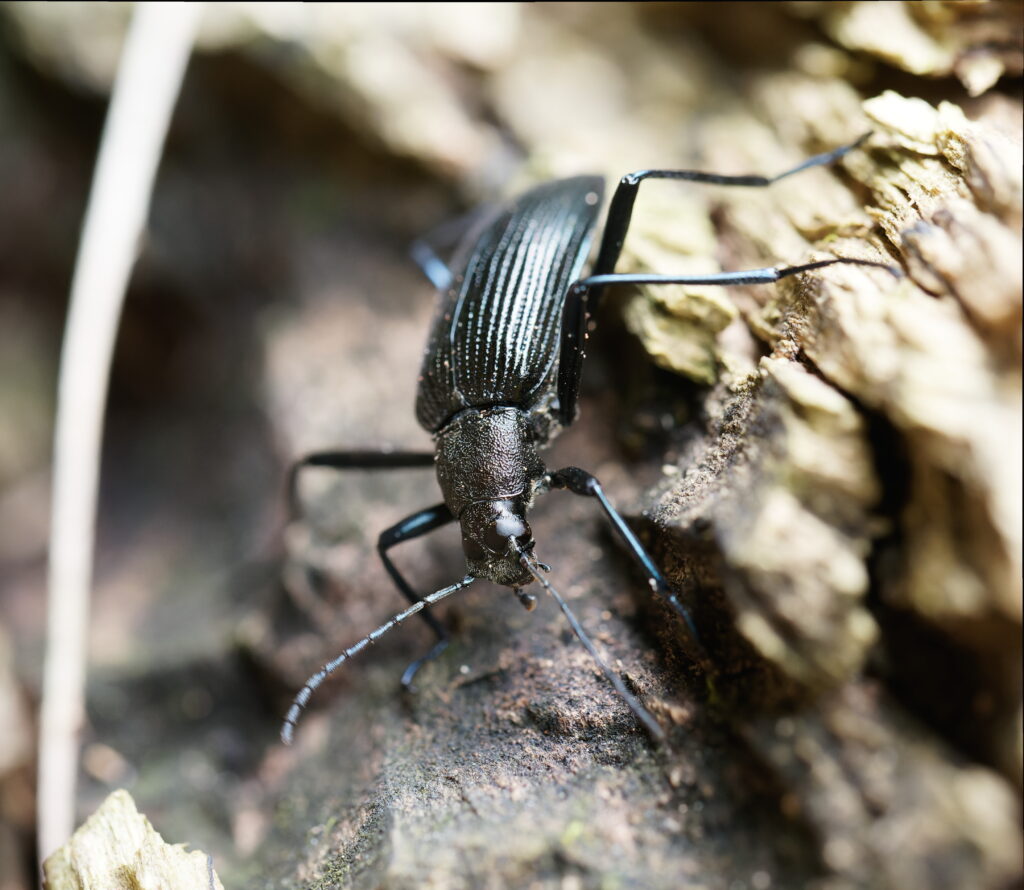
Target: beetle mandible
{"points": [[500, 378]]}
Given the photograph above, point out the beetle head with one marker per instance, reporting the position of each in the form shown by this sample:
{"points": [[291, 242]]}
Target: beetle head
{"points": [[486, 529]]}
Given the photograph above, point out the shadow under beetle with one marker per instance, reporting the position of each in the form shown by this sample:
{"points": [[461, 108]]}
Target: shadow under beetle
{"points": [[500, 379]]}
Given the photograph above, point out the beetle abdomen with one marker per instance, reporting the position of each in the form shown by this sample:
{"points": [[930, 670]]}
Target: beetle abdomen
{"points": [[495, 337]]}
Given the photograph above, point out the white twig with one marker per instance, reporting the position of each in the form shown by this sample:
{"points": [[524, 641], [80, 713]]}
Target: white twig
{"points": [[152, 65]]}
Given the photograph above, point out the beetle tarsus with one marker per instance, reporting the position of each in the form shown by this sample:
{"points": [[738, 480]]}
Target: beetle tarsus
{"points": [[410, 672]]}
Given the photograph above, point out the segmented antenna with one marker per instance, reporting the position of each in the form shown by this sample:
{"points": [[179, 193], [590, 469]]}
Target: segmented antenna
{"points": [[642, 714], [314, 682]]}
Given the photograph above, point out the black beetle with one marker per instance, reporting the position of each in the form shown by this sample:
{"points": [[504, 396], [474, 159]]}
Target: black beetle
{"points": [[500, 379]]}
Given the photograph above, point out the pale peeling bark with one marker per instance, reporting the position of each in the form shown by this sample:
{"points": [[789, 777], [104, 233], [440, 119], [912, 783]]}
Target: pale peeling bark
{"points": [[977, 40], [118, 849], [781, 505]]}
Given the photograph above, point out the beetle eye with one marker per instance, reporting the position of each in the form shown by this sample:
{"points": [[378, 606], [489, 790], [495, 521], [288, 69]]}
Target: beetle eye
{"points": [[494, 540]]}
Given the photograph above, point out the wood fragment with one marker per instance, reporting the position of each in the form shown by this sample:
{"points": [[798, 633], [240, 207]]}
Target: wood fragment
{"points": [[118, 849]]}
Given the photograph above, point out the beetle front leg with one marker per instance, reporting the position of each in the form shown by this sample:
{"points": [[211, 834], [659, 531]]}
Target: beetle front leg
{"points": [[414, 527], [583, 483]]}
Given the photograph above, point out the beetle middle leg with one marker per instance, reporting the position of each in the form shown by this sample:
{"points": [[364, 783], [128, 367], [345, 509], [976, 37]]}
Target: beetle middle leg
{"points": [[620, 210], [413, 526], [353, 460], [584, 296]]}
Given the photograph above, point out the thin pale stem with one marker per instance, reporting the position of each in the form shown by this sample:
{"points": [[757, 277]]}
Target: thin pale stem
{"points": [[149, 76]]}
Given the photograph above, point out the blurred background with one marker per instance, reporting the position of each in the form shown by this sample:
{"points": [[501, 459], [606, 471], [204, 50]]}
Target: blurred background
{"points": [[273, 311]]}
